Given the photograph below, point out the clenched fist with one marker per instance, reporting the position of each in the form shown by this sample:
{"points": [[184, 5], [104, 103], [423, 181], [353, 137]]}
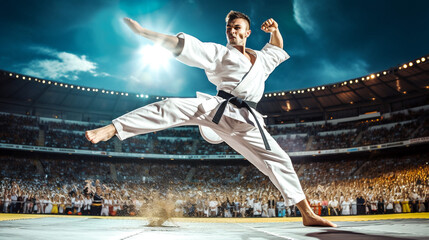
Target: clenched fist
{"points": [[269, 26]]}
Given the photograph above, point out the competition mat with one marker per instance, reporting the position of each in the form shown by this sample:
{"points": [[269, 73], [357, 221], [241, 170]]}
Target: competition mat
{"points": [[373, 227]]}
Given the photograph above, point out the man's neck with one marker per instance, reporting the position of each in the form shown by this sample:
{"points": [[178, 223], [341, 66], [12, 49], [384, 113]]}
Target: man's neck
{"points": [[241, 48]]}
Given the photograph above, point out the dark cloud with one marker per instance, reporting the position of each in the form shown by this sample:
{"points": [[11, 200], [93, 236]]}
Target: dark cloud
{"points": [[347, 39]]}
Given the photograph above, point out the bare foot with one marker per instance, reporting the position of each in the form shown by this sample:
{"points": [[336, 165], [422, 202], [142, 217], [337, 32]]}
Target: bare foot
{"points": [[101, 134], [309, 218], [315, 220]]}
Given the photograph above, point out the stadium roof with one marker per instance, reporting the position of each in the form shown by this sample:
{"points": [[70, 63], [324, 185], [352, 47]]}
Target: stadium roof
{"points": [[406, 81], [41, 97]]}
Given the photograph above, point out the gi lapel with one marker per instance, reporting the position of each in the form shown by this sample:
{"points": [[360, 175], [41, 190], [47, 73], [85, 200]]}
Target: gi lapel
{"points": [[250, 88]]}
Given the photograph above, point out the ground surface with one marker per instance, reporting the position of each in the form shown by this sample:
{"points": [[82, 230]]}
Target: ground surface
{"points": [[383, 227]]}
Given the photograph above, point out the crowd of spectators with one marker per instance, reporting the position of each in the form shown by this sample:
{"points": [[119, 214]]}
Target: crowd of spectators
{"points": [[74, 140], [329, 141], [208, 189], [292, 143], [205, 148], [18, 129], [385, 185], [353, 186], [16, 134], [27, 130], [395, 133]]}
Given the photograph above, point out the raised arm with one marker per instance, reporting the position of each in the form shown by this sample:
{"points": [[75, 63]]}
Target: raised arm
{"points": [[271, 26], [170, 42]]}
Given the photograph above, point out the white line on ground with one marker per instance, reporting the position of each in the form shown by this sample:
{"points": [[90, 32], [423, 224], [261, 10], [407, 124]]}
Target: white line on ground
{"points": [[266, 232]]}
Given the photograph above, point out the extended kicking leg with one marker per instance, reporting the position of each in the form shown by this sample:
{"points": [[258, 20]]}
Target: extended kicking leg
{"points": [[157, 116]]}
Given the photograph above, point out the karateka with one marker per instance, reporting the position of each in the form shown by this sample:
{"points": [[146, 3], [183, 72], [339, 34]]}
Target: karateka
{"points": [[239, 74]]}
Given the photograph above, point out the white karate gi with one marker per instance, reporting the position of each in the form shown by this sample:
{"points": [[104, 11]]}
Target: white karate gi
{"points": [[233, 73]]}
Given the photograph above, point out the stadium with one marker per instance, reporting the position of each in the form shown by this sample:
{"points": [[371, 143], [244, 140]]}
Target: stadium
{"points": [[359, 148]]}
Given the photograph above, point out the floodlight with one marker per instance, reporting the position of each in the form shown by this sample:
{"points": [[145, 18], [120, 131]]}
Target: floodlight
{"points": [[154, 56]]}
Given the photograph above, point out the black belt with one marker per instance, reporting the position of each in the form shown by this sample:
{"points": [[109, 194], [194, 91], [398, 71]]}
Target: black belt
{"points": [[240, 103]]}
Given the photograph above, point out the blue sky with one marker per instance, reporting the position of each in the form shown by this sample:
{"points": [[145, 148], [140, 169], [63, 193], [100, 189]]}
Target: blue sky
{"points": [[86, 43]]}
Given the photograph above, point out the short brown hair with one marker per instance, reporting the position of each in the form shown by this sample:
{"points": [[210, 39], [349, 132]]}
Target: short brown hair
{"points": [[235, 14]]}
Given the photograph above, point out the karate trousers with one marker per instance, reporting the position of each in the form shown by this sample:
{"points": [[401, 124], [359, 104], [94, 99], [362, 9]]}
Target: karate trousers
{"points": [[242, 137]]}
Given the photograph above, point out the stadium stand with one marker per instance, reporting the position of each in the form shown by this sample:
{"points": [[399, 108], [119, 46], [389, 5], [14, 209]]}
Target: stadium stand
{"points": [[358, 147]]}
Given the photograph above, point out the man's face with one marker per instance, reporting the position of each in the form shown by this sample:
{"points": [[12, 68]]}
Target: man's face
{"points": [[237, 31]]}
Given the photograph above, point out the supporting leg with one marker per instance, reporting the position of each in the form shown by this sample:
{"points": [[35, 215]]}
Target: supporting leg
{"points": [[276, 164]]}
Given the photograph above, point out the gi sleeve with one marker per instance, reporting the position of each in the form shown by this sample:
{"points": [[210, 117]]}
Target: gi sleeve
{"points": [[272, 56], [199, 54]]}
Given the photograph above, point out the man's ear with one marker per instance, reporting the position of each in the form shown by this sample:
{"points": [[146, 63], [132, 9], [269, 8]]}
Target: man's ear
{"points": [[248, 32]]}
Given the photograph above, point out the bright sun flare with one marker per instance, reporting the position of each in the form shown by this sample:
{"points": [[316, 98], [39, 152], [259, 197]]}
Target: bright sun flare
{"points": [[154, 57]]}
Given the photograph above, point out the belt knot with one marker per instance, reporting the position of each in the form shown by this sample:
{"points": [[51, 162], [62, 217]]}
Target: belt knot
{"points": [[240, 103]]}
